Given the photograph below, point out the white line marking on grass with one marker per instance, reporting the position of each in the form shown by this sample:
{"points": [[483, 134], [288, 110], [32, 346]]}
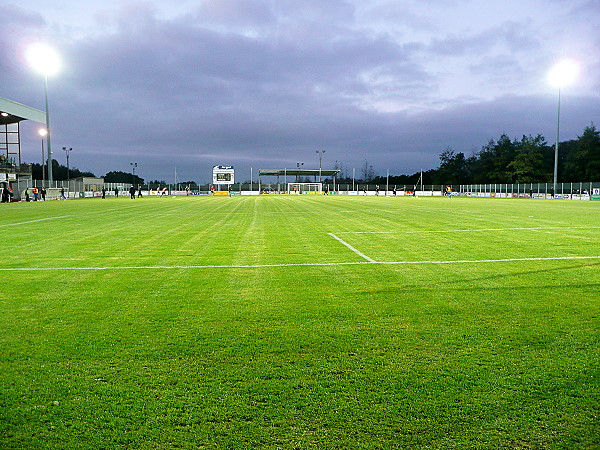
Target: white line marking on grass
{"points": [[352, 248], [469, 230], [479, 261], [37, 220], [259, 266]]}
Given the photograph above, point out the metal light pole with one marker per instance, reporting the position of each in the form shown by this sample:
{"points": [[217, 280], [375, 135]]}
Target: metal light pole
{"points": [[43, 134], [68, 151], [562, 74], [320, 153], [298, 164], [45, 60], [50, 177], [134, 165], [555, 179]]}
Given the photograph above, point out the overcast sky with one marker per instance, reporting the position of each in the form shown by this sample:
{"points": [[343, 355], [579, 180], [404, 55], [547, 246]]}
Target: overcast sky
{"points": [[266, 83]]}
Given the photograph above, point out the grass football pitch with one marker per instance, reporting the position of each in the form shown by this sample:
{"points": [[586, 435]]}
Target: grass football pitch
{"points": [[300, 322]]}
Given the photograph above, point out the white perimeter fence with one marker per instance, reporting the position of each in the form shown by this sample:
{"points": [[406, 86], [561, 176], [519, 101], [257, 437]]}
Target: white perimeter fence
{"points": [[564, 191]]}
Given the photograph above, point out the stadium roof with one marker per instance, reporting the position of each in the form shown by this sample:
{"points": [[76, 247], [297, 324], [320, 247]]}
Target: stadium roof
{"points": [[13, 112], [298, 172]]}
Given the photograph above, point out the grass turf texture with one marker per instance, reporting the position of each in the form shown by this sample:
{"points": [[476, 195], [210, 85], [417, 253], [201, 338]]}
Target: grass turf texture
{"points": [[474, 354]]}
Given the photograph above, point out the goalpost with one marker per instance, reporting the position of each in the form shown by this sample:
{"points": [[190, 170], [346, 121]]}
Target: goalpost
{"points": [[305, 188]]}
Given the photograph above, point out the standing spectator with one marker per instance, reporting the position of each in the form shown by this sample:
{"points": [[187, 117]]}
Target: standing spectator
{"points": [[116, 192], [103, 192], [43, 192], [139, 191], [132, 192], [62, 193], [27, 199], [35, 194]]}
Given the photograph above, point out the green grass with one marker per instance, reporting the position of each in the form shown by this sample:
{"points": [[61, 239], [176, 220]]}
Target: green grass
{"points": [[215, 322]]}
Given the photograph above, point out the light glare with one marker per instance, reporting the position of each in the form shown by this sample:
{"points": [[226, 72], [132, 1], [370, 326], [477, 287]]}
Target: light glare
{"points": [[563, 73], [43, 59]]}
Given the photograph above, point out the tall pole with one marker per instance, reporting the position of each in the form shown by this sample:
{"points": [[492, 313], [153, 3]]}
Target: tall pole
{"points": [[387, 182], [43, 161], [250, 179], [43, 134], [320, 153], [50, 177], [68, 151], [556, 145], [134, 165]]}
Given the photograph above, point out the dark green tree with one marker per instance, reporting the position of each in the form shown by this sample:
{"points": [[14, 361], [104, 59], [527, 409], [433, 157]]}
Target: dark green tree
{"points": [[123, 177], [582, 156], [454, 168], [493, 160], [59, 172], [528, 163]]}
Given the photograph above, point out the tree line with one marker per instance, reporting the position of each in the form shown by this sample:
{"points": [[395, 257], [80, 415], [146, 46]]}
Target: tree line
{"points": [[503, 161]]}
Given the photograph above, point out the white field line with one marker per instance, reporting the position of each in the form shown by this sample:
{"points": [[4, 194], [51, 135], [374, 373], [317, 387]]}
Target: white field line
{"points": [[259, 266], [469, 230], [352, 248], [32, 221]]}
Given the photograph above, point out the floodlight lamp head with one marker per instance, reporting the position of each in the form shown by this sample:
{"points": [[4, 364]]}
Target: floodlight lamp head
{"points": [[43, 59], [563, 73], [43, 132]]}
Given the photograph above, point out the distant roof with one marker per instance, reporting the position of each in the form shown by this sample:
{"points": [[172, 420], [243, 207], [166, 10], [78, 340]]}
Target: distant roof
{"points": [[298, 172], [13, 112]]}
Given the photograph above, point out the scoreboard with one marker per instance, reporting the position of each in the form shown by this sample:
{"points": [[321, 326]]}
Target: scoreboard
{"points": [[223, 175]]}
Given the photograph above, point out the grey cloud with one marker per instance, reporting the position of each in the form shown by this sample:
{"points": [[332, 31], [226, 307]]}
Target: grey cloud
{"points": [[265, 84]]}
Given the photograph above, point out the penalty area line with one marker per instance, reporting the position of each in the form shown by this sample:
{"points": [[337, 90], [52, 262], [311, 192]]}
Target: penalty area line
{"points": [[352, 248], [33, 221], [259, 266]]}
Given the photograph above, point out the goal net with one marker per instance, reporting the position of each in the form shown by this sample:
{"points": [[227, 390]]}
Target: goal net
{"points": [[305, 188]]}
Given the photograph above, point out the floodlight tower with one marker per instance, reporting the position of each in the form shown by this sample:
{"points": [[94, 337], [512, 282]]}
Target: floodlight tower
{"points": [[298, 164], [67, 151], [562, 74], [45, 60], [133, 165], [43, 132], [320, 153]]}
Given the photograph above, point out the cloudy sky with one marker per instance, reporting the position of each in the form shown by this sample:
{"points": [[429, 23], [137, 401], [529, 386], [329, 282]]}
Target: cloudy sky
{"points": [[266, 83]]}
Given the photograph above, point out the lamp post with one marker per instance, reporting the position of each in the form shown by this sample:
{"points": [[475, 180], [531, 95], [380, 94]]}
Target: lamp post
{"points": [[320, 153], [134, 165], [43, 133], [561, 75], [45, 60], [298, 164], [67, 151]]}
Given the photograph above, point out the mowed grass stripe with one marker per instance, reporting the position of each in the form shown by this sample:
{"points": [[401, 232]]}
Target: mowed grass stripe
{"points": [[354, 355]]}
